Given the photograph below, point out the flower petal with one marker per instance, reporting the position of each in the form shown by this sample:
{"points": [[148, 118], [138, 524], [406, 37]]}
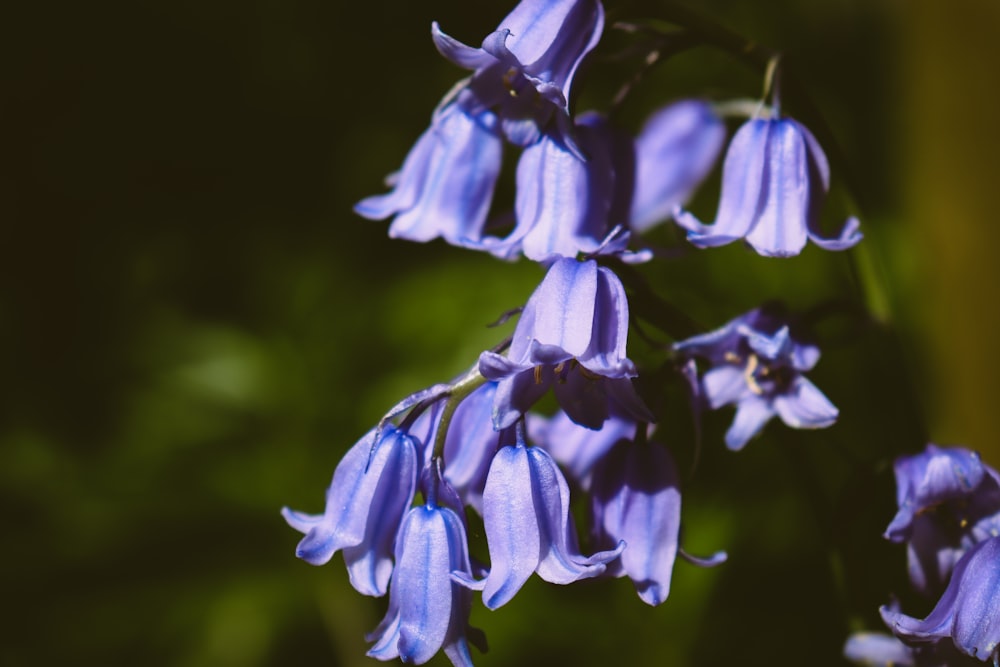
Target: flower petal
{"points": [[780, 230], [805, 406], [752, 413]]}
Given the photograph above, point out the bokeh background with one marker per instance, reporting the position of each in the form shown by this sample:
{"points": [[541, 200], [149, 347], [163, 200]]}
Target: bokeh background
{"points": [[194, 325]]}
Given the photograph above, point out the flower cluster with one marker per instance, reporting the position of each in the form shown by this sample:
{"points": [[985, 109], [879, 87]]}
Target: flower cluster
{"points": [[949, 518], [586, 190]]}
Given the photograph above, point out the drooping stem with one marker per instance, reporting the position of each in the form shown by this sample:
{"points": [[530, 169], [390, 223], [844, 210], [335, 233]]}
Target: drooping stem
{"points": [[458, 392]]}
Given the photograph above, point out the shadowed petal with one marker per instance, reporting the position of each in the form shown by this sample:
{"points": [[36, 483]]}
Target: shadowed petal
{"points": [[805, 406], [752, 414]]}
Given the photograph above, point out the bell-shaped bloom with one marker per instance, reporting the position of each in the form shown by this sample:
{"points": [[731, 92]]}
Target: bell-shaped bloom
{"points": [[571, 336], [578, 448], [674, 152], [774, 180], [529, 528], [445, 187], [758, 366], [949, 500], [636, 498], [967, 614], [564, 203], [371, 490], [525, 68], [428, 611]]}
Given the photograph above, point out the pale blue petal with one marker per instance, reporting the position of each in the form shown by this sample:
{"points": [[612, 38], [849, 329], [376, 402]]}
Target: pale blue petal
{"points": [[780, 230], [848, 237], [512, 525], [805, 406], [752, 414], [561, 561], [446, 184], [724, 385], [675, 150], [744, 174]]}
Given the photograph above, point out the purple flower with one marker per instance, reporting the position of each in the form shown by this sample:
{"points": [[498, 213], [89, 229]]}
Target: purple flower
{"points": [[674, 152], [757, 365], [566, 205], [949, 500], [446, 185], [571, 336], [365, 503], [967, 613], [428, 611], [525, 68], [774, 180], [529, 527], [636, 499]]}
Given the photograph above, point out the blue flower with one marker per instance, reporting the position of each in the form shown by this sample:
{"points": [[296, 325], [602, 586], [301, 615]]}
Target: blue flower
{"points": [[635, 498], [446, 184], [949, 500], [674, 152], [571, 336], [967, 613], [428, 611], [370, 492], [774, 180], [525, 68], [566, 205], [757, 365], [529, 527]]}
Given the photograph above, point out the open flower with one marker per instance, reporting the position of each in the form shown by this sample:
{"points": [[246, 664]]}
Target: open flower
{"points": [[774, 180], [529, 527], [758, 366], [571, 336], [525, 68], [949, 500], [967, 613], [370, 492]]}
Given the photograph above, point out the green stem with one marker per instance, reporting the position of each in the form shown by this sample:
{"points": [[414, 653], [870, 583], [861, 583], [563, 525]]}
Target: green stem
{"points": [[460, 390]]}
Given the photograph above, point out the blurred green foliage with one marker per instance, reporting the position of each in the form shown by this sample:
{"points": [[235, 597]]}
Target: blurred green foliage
{"points": [[195, 327]]}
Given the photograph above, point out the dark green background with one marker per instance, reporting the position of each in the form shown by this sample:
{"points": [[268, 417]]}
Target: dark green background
{"points": [[194, 325]]}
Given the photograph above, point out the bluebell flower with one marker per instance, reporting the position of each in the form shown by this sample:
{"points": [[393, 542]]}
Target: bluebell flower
{"points": [[564, 203], [428, 611], [571, 336], [967, 614], [949, 500], [775, 178], [758, 366], [529, 528], [674, 152], [525, 68], [370, 492], [445, 187], [636, 498]]}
